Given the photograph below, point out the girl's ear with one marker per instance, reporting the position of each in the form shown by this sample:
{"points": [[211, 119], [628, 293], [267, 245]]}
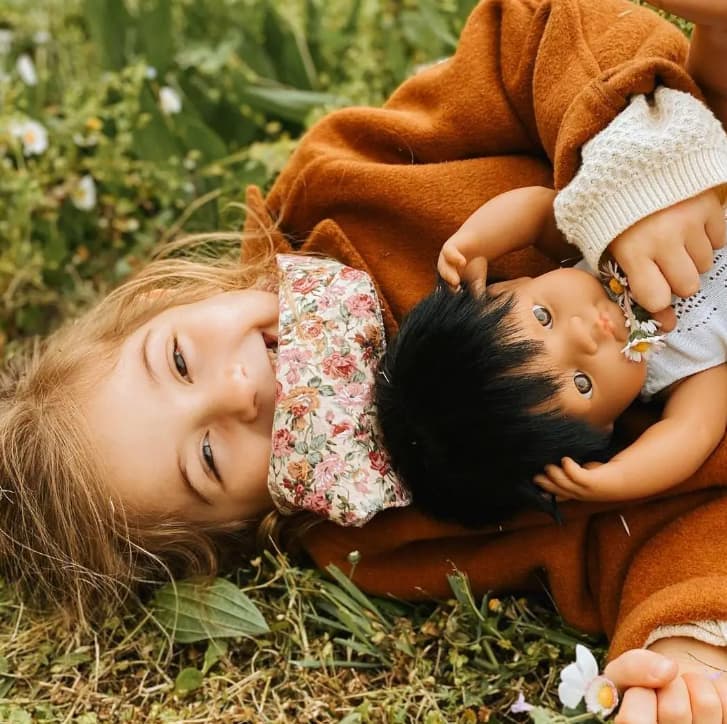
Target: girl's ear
{"points": [[509, 285]]}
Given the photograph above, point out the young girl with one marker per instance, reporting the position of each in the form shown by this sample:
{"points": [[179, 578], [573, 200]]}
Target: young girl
{"points": [[377, 190]]}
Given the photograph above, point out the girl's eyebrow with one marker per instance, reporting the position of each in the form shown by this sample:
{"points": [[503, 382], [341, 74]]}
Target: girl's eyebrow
{"points": [[145, 358]]}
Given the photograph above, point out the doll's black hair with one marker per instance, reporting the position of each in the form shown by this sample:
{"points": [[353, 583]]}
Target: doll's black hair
{"points": [[467, 414]]}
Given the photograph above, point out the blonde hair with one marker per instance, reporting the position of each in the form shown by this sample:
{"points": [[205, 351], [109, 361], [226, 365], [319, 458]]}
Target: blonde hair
{"points": [[62, 538]]}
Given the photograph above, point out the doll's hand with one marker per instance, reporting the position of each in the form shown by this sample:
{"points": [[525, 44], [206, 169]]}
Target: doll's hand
{"points": [[454, 267], [592, 481], [659, 688], [668, 250]]}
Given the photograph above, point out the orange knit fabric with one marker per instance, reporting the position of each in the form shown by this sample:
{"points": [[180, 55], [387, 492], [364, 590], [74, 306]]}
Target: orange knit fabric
{"points": [[381, 189]]}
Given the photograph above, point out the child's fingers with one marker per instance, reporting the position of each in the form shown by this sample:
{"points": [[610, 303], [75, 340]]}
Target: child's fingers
{"points": [[679, 270], [637, 705], [716, 228], [650, 289], [699, 248], [454, 256]]}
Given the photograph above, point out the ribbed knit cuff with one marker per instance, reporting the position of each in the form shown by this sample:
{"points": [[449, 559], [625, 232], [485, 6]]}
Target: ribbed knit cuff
{"points": [[709, 632], [681, 179]]}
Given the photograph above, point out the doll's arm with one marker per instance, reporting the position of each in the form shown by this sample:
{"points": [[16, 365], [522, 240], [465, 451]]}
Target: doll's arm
{"points": [[508, 222], [666, 454]]}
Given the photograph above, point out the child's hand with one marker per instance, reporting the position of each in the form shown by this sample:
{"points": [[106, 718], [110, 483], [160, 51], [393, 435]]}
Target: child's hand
{"points": [[655, 688], [667, 251], [702, 12], [571, 481]]}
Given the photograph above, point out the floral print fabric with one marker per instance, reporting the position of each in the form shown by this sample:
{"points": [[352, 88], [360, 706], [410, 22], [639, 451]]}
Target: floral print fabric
{"points": [[327, 455]]}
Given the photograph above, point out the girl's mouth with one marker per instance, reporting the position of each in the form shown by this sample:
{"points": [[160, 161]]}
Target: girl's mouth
{"points": [[271, 346]]}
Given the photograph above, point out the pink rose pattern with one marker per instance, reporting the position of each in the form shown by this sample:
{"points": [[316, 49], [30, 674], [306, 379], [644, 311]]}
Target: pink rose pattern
{"points": [[326, 455]]}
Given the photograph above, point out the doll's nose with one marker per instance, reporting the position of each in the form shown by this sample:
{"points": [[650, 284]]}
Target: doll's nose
{"points": [[583, 335]]}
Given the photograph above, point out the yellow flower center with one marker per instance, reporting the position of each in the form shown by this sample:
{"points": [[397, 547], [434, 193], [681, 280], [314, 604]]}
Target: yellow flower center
{"points": [[29, 137], [615, 286], [641, 347], [606, 697], [94, 124]]}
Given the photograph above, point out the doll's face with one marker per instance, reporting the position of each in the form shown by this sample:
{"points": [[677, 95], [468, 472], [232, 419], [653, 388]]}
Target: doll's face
{"points": [[183, 421], [582, 332]]}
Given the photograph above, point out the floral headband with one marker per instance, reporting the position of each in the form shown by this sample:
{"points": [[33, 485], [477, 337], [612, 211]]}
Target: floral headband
{"points": [[327, 456], [643, 336]]}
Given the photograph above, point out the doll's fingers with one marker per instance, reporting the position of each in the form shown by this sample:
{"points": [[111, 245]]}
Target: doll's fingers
{"points": [[454, 256], [575, 472], [548, 486]]}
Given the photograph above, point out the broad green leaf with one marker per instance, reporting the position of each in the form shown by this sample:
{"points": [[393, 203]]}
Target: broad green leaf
{"points": [[188, 680], [108, 22], [154, 141], [195, 612], [289, 104], [194, 134], [155, 33]]}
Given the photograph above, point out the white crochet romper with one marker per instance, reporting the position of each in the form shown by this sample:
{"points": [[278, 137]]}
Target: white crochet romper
{"points": [[699, 340]]}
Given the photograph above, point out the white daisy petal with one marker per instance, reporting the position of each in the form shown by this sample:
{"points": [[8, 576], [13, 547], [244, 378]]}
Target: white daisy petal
{"points": [[169, 100], [586, 662], [26, 70], [569, 694]]}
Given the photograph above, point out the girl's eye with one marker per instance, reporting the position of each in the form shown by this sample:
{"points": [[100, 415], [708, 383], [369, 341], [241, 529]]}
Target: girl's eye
{"points": [[179, 363], [583, 384], [543, 316], [208, 456]]}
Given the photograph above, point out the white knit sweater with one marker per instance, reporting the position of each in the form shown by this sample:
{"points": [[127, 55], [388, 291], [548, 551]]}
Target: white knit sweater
{"points": [[657, 152]]}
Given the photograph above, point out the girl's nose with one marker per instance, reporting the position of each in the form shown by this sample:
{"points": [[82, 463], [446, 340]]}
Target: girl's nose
{"points": [[582, 335], [235, 394]]}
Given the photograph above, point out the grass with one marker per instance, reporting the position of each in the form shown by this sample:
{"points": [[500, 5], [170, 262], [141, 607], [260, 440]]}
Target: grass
{"points": [[332, 654]]}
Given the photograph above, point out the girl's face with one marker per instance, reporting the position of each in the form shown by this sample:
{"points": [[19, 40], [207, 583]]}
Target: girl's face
{"points": [[583, 333], [183, 421]]}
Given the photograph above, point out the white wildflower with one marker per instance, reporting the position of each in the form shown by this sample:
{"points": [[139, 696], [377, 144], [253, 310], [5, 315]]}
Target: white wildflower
{"points": [[169, 100], [84, 195], [639, 348], [150, 73], [41, 37], [26, 70], [32, 134], [575, 678], [6, 40], [601, 696]]}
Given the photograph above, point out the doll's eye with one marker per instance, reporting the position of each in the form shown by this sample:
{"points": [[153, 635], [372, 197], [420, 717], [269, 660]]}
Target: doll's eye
{"points": [[543, 316], [583, 384]]}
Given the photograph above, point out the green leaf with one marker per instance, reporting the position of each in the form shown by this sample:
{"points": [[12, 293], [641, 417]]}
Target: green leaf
{"points": [[216, 649], [188, 680], [194, 134], [155, 34], [289, 104], [108, 22], [195, 612], [154, 141]]}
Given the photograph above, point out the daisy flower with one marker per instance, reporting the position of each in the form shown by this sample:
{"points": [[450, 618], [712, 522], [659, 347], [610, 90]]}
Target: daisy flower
{"points": [[581, 680]]}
